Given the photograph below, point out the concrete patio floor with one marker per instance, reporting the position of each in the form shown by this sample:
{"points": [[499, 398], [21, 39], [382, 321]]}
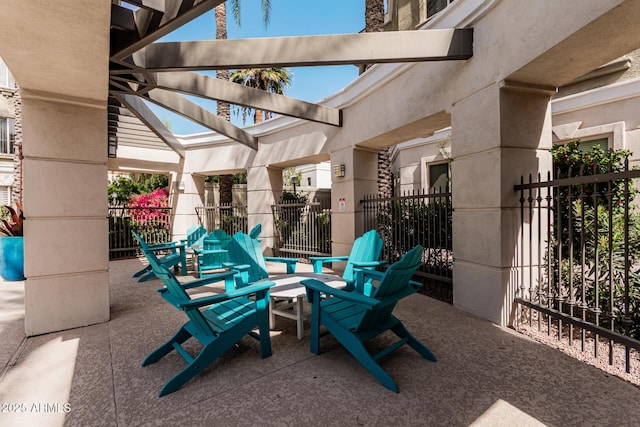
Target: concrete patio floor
{"points": [[485, 375]]}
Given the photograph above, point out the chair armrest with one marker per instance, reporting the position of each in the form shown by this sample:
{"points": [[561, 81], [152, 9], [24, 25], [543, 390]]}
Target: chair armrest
{"points": [[368, 264], [213, 299], [281, 259], [165, 246], [362, 273], [319, 287], [218, 277], [318, 261], [238, 267], [327, 259], [212, 251], [291, 262]]}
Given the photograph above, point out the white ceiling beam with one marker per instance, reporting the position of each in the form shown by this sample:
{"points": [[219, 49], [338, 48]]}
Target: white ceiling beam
{"points": [[192, 111], [222, 90], [340, 49]]}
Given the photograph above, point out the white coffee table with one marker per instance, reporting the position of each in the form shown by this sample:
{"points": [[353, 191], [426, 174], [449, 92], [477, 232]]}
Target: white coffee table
{"points": [[288, 287]]}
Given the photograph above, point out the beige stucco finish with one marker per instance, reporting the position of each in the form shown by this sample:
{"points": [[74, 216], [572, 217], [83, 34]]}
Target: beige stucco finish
{"points": [[58, 54], [497, 103], [498, 106]]}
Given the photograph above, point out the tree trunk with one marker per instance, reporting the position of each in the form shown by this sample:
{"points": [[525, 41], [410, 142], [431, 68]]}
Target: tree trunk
{"points": [[223, 108], [226, 189], [258, 116], [16, 190], [374, 22], [373, 19]]}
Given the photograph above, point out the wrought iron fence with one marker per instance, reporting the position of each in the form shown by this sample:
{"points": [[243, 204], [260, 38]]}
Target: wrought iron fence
{"points": [[303, 229], [231, 218], [579, 261], [414, 218], [152, 223]]}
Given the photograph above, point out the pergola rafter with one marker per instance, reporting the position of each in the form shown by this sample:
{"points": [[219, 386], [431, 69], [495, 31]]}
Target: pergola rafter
{"points": [[141, 68]]}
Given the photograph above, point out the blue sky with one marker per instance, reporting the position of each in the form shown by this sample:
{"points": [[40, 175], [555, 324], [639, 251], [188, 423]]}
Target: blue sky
{"points": [[287, 18]]}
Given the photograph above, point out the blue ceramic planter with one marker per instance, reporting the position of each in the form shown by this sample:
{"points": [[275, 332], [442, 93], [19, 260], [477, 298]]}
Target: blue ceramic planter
{"points": [[12, 258]]}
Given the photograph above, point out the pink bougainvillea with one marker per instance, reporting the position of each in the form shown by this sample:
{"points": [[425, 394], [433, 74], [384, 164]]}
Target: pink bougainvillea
{"points": [[151, 208]]}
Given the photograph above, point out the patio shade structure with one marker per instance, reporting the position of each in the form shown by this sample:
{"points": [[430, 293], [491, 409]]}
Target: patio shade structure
{"points": [[162, 73]]}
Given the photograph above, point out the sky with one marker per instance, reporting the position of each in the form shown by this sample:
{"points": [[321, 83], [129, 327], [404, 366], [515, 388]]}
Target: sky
{"points": [[287, 18]]}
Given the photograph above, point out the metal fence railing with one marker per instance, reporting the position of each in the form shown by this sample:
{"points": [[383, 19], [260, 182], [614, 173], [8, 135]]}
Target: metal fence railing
{"points": [[152, 223], [414, 218], [579, 261], [230, 218], [302, 229]]}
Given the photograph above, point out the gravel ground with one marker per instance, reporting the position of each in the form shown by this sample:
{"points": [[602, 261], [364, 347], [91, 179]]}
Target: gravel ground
{"points": [[601, 361]]}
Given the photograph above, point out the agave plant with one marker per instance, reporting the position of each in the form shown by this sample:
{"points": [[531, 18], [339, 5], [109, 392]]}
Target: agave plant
{"points": [[13, 225]]}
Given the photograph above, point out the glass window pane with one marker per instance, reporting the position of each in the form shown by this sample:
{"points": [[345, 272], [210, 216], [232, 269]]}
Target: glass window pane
{"points": [[12, 134], [586, 146], [4, 131], [438, 177], [435, 6], [4, 74]]}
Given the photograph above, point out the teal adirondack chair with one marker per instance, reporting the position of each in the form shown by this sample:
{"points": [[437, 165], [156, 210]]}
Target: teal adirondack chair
{"points": [[214, 254], [195, 235], [365, 253], [174, 256], [217, 322], [255, 231], [353, 318], [245, 255]]}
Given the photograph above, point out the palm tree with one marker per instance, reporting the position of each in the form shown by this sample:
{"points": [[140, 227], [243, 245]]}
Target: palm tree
{"points": [[223, 108], [16, 191], [272, 80], [373, 22]]}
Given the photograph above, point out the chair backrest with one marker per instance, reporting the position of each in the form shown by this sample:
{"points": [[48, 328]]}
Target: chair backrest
{"points": [[366, 248], [395, 283], [195, 233], [245, 250], [144, 247], [221, 236]]}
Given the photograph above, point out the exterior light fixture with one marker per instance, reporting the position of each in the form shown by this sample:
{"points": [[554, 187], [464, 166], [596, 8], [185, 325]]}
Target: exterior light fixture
{"points": [[112, 146], [338, 171], [180, 185]]}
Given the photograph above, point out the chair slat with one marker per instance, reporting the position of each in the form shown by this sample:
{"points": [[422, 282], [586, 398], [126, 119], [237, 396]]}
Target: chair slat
{"points": [[353, 321]]}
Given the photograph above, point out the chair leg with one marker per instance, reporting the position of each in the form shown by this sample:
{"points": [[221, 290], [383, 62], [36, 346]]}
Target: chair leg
{"points": [[206, 356], [357, 349], [181, 336], [141, 272], [147, 276], [265, 334], [315, 325], [402, 332]]}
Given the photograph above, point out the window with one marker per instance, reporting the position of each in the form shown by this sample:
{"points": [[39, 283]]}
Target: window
{"points": [[7, 135], [586, 146], [435, 6], [6, 79], [5, 195], [438, 177]]}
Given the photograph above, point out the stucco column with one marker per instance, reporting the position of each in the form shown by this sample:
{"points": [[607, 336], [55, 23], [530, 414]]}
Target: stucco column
{"points": [[361, 172], [186, 191], [65, 205], [498, 134], [264, 188]]}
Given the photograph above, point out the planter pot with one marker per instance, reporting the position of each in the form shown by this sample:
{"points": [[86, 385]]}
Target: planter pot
{"points": [[12, 258]]}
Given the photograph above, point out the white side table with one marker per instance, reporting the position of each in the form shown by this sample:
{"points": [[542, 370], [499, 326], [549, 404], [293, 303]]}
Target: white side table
{"points": [[288, 287]]}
